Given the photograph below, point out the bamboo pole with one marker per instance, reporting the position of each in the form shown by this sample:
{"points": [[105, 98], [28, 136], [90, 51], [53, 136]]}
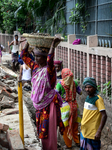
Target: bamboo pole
{"points": [[21, 124]]}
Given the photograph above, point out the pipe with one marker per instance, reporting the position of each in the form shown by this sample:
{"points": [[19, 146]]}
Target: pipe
{"points": [[21, 125]]}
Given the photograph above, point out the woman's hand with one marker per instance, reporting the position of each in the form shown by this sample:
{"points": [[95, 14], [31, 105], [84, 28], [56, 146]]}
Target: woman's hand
{"points": [[56, 40], [26, 45]]}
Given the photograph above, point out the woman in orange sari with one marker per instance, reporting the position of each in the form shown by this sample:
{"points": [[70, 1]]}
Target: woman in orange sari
{"points": [[67, 88]]}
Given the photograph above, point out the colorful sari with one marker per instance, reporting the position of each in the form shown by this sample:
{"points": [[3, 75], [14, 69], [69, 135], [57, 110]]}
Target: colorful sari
{"points": [[70, 90], [69, 110], [44, 96]]}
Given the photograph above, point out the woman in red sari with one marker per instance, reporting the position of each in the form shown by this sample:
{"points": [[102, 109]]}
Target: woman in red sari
{"points": [[67, 88]]}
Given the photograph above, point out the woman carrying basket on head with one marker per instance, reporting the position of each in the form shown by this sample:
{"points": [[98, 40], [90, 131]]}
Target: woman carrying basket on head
{"points": [[45, 99]]}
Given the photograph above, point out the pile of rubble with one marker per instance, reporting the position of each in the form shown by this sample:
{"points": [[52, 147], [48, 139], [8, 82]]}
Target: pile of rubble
{"points": [[9, 114], [8, 92], [8, 98]]}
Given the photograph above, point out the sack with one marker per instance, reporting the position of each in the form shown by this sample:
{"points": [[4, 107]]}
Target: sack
{"points": [[77, 41], [65, 113]]}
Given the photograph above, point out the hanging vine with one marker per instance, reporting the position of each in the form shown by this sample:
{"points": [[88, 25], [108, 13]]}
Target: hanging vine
{"points": [[79, 14]]}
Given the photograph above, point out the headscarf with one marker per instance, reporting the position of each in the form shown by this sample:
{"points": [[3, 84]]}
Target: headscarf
{"points": [[70, 90], [68, 84], [57, 62], [90, 81]]}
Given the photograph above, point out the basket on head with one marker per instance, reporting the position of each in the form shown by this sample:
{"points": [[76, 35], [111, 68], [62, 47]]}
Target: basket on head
{"points": [[40, 40]]}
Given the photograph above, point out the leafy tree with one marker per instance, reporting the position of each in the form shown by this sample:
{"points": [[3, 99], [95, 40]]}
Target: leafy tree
{"points": [[32, 15], [79, 14], [9, 19], [49, 15]]}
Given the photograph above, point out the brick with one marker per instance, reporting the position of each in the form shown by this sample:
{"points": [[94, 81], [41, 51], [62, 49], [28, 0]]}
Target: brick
{"points": [[6, 98], [6, 103], [4, 127], [14, 96], [14, 90], [15, 142], [1, 126], [9, 81]]}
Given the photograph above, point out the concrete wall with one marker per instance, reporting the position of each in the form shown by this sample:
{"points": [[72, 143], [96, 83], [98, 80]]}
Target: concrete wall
{"points": [[5, 39], [89, 60]]}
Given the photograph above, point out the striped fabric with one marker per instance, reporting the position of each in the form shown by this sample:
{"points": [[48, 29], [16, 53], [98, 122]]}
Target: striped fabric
{"points": [[65, 113]]}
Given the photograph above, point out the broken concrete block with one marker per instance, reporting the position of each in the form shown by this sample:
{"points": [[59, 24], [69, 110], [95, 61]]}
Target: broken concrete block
{"points": [[4, 144], [1, 126], [2, 84], [6, 103], [14, 96], [10, 96], [2, 80], [4, 127], [9, 81], [10, 111], [6, 91], [15, 142], [6, 98], [14, 90]]}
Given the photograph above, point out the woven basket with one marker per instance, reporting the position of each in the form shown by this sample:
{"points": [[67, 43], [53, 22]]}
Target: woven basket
{"points": [[40, 40]]}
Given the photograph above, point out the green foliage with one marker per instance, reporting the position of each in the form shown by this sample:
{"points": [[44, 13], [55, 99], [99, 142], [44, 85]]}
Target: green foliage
{"points": [[20, 29], [8, 18], [24, 14], [55, 22], [79, 14], [65, 38], [106, 90]]}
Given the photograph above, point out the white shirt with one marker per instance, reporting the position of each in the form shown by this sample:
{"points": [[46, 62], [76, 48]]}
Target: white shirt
{"points": [[26, 74], [15, 47]]}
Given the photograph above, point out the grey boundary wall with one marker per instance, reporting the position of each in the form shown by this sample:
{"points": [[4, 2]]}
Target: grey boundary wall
{"points": [[5, 39]]}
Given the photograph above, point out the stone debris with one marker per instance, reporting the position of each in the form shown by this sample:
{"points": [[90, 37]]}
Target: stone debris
{"points": [[14, 90], [10, 111], [6, 103], [14, 96], [15, 142], [9, 81], [4, 127], [4, 145]]}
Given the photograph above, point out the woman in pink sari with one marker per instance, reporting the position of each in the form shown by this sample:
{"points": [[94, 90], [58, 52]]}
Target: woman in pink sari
{"points": [[45, 99]]}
